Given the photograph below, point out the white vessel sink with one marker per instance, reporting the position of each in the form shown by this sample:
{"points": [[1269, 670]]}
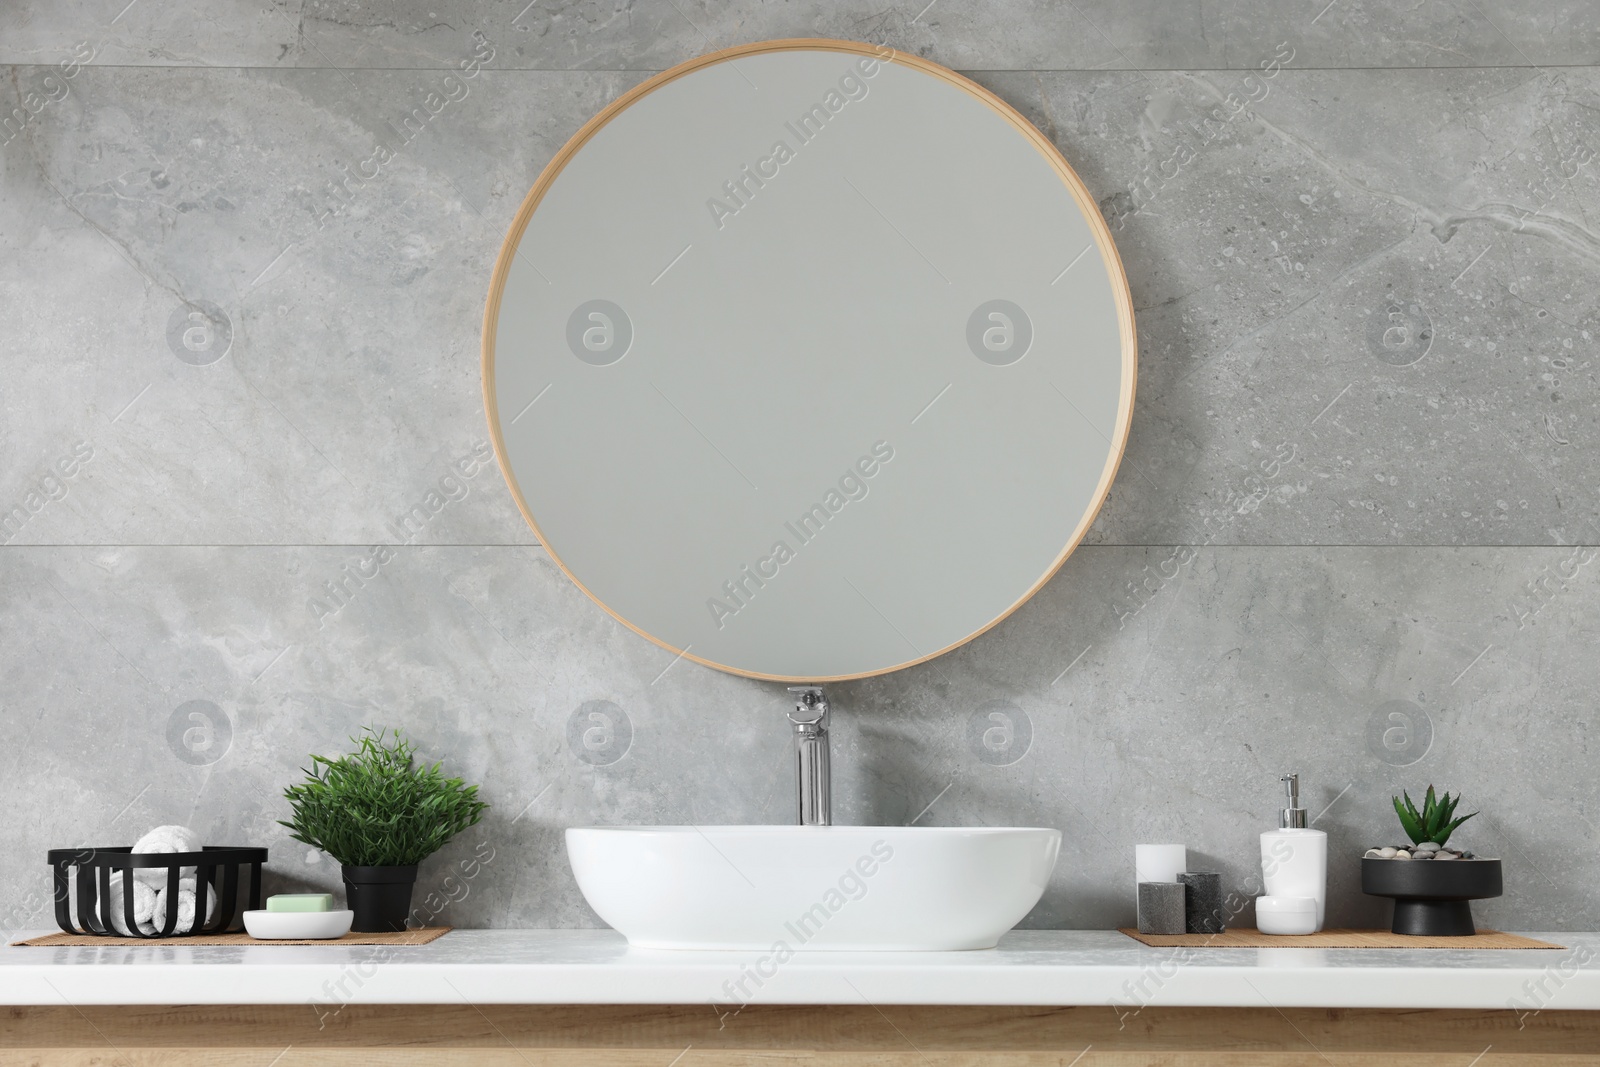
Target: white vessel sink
{"points": [[830, 887]]}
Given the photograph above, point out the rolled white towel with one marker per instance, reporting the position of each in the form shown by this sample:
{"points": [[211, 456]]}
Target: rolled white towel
{"points": [[186, 889], [144, 905], [166, 840]]}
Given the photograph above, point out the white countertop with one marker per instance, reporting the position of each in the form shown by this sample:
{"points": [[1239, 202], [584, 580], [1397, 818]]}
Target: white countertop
{"points": [[1041, 967]]}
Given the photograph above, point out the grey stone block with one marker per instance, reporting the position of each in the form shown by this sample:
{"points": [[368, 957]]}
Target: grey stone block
{"points": [[1161, 907], [1202, 905]]}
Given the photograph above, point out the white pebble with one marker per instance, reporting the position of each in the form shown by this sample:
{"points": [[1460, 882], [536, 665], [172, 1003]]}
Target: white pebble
{"points": [[1402, 854], [1374, 854], [1388, 853], [1429, 846], [1444, 855]]}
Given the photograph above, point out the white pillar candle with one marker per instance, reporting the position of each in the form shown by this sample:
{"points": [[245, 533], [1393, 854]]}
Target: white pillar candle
{"points": [[1158, 863]]}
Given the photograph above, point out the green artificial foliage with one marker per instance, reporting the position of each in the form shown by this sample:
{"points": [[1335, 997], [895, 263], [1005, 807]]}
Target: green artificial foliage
{"points": [[375, 808], [1434, 822]]}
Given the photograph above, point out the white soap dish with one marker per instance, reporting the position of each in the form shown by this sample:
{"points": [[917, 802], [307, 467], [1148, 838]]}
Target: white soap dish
{"points": [[297, 925]]}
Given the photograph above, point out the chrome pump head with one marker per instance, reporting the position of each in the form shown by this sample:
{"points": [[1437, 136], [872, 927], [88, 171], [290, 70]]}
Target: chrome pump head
{"points": [[1293, 816]]}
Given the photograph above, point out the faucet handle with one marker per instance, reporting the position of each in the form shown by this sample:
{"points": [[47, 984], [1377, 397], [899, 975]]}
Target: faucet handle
{"points": [[810, 705]]}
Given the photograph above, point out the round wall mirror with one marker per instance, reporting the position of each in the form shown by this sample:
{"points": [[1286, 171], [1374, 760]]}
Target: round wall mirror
{"points": [[809, 360]]}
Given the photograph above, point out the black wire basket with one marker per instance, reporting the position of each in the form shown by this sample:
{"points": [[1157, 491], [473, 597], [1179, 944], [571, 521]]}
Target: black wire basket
{"points": [[84, 875]]}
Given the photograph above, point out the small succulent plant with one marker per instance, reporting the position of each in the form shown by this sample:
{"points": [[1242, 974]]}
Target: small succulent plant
{"points": [[1435, 822]]}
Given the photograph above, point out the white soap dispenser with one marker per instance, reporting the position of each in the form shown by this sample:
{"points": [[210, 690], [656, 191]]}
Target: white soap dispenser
{"points": [[1294, 871]]}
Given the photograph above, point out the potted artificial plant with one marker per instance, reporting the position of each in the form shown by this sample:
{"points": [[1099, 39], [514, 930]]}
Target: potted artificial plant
{"points": [[1432, 885], [379, 815]]}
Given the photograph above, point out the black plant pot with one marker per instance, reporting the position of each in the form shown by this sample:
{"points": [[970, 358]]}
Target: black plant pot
{"points": [[379, 896], [1431, 897]]}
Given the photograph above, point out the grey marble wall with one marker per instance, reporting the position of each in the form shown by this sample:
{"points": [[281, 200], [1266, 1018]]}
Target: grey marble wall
{"points": [[1346, 539]]}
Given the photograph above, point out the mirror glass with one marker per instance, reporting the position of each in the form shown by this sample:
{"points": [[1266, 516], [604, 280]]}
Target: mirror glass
{"points": [[809, 360]]}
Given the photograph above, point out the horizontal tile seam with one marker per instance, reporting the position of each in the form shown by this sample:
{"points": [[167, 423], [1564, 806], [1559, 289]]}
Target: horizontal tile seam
{"points": [[320, 544], [647, 71], [536, 544]]}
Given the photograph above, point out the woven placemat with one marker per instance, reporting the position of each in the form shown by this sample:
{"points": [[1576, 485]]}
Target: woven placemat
{"points": [[1246, 937], [420, 936]]}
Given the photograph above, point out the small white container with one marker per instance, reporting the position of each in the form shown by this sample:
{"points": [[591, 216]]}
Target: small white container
{"points": [[1287, 915], [297, 925]]}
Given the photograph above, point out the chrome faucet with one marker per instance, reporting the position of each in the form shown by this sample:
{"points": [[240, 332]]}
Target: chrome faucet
{"points": [[813, 772]]}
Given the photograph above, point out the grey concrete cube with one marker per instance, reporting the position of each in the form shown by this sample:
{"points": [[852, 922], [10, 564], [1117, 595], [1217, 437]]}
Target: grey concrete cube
{"points": [[1161, 907], [1202, 910]]}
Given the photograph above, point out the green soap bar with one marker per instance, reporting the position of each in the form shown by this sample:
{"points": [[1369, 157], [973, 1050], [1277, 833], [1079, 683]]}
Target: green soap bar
{"points": [[300, 902]]}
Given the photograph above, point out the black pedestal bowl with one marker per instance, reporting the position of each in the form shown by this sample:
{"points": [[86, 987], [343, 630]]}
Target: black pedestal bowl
{"points": [[1432, 897]]}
